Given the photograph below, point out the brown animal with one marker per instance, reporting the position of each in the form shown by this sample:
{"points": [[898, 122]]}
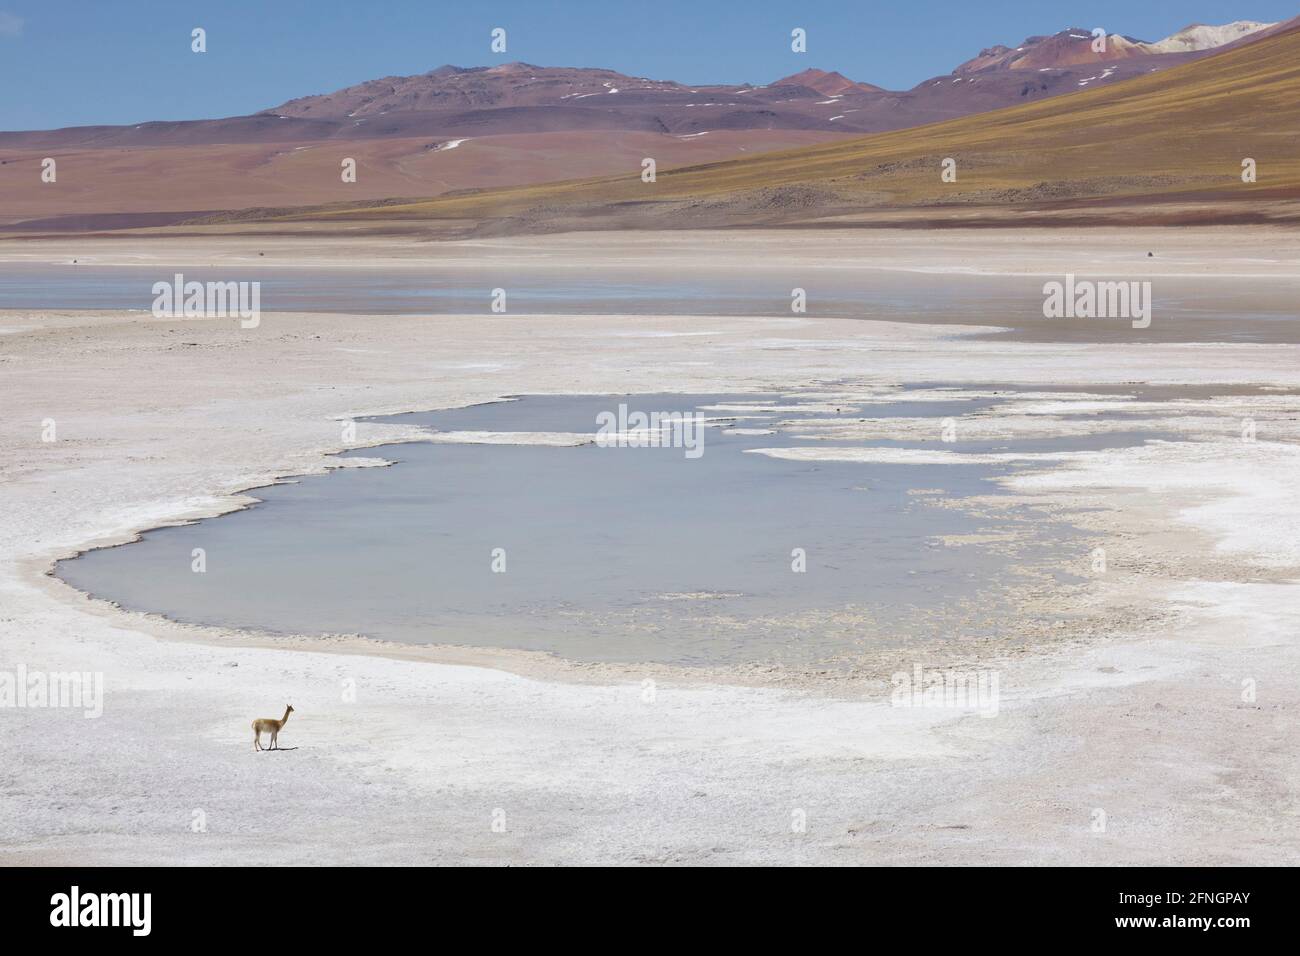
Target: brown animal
{"points": [[270, 726]]}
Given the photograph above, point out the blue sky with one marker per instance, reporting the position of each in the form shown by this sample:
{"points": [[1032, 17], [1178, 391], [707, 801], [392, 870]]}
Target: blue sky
{"points": [[80, 62]]}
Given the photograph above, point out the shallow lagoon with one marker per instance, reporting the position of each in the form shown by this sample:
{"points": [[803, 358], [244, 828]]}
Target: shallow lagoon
{"points": [[1185, 308], [627, 554]]}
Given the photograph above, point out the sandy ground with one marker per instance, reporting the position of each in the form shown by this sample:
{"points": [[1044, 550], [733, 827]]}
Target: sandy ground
{"points": [[1146, 722], [102, 183]]}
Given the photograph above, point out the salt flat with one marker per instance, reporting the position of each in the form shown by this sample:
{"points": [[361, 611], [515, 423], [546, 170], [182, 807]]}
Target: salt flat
{"points": [[1139, 712]]}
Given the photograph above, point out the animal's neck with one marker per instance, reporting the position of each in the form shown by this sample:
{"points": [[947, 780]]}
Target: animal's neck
{"points": [[286, 716]]}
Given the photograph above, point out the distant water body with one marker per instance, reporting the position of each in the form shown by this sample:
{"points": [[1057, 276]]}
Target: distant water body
{"points": [[446, 290], [601, 553], [1185, 309]]}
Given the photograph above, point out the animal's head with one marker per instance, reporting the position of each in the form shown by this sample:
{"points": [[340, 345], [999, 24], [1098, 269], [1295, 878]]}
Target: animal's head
{"points": [[290, 709]]}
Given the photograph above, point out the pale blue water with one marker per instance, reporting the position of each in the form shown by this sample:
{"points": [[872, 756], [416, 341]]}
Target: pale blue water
{"points": [[602, 546], [443, 289], [1185, 309]]}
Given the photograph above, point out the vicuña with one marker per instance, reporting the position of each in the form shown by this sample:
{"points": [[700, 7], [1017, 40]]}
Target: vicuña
{"points": [[270, 725]]}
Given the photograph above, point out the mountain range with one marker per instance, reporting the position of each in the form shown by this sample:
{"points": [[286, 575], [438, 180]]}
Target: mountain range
{"points": [[1214, 140], [517, 124]]}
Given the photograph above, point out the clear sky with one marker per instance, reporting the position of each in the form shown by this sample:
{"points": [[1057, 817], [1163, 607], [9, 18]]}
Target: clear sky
{"points": [[80, 62]]}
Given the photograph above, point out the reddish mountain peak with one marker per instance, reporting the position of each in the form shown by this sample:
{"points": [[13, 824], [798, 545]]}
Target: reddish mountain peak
{"points": [[518, 66], [829, 83], [1074, 47], [1069, 47]]}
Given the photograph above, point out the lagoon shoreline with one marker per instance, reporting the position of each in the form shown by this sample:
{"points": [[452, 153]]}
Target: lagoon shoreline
{"points": [[164, 421]]}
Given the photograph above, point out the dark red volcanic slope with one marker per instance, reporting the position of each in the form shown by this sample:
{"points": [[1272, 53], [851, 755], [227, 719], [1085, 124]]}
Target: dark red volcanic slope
{"points": [[828, 84], [1069, 48]]}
